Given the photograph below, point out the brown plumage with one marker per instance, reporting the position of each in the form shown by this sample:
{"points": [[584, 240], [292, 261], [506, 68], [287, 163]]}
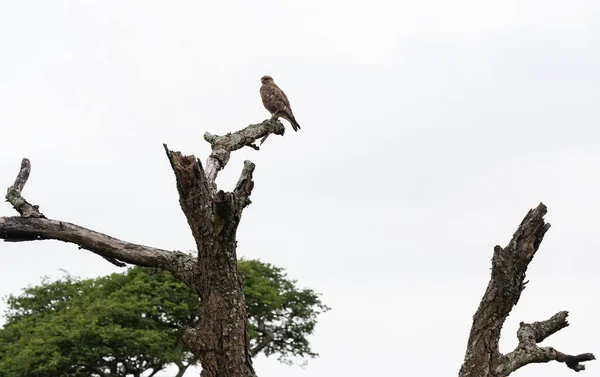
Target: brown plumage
{"points": [[276, 101]]}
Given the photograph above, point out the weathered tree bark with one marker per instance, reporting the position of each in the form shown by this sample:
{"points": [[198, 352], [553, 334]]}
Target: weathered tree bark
{"points": [[222, 146], [219, 340], [509, 264]]}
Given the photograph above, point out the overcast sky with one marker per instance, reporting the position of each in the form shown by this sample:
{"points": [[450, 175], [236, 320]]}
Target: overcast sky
{"points": [[429, 129]]}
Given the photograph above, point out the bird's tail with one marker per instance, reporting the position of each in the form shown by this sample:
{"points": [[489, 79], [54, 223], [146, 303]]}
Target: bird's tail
{"points": [[295, 124]]}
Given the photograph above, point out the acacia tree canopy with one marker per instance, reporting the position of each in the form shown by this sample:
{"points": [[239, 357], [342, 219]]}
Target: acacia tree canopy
{"points": [[128, 323]]}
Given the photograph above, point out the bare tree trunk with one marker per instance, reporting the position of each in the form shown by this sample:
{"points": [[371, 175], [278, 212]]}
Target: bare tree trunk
{"points": [[219, 340], [509, 264]]}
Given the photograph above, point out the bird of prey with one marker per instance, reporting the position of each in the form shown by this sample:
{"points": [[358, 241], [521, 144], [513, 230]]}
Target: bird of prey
{"points": [[276, 101]]}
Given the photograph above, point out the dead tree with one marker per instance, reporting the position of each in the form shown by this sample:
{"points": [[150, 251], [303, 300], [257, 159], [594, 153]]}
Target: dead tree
{"points": [[220, 339], [509, 264]]}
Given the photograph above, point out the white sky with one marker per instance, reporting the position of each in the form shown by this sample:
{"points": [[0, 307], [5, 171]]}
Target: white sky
{"points": [[429, 129]]}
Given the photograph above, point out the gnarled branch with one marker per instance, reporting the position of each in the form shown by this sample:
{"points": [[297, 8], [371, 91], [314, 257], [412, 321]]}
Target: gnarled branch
{"points": [[507, 282], [527, 352], [222, 146], [34, 226], [17, 229]]}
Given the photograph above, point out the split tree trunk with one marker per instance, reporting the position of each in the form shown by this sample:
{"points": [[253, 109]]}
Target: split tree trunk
{"points": [[220, 340]]}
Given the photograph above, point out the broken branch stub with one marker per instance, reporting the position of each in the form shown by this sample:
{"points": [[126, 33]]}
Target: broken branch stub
{"points": [[14, 197]]}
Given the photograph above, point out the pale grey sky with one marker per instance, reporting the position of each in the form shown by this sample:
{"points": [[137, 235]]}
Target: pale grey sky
{"points": [[429, 129]]}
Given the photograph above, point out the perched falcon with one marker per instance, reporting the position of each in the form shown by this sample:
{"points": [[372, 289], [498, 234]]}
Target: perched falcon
{"points": [[276, 101]]}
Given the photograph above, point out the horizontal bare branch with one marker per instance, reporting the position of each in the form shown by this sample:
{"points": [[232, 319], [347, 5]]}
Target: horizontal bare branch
{"points": [[222, 146], [17, 229]]}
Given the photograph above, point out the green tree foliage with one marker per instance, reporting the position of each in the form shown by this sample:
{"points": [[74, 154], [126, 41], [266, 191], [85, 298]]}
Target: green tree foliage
{"points": [[127, 323]]}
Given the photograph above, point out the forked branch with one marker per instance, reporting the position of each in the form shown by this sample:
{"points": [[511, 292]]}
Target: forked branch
{"points": [[509, 265], [527, 352], [219, 340]]}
